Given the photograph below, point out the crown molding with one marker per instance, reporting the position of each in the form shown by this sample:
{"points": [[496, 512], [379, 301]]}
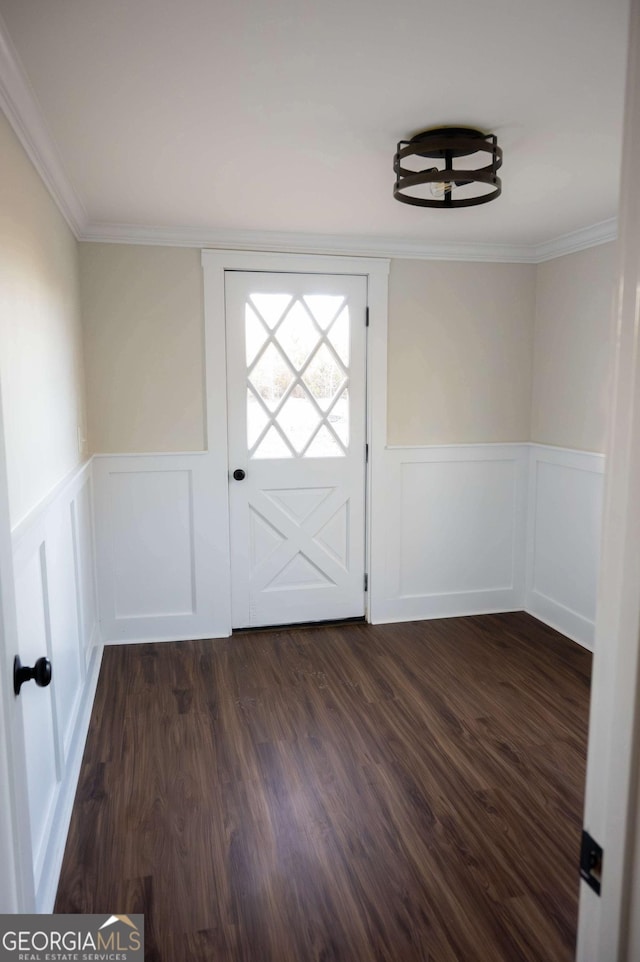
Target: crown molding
{"points": [[20, 106], [351, 245], [577, 240], [286, 242]]}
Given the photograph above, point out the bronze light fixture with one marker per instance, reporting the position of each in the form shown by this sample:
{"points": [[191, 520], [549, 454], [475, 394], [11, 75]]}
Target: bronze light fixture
{"points": [[422, 184]]}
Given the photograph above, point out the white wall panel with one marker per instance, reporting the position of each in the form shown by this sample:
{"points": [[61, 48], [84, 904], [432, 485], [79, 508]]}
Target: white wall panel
{"points": [[151, 531], [563, 540], [62, 599], [448, 532], [84, 551], [160, 547], [57, 618], [474, 554]]}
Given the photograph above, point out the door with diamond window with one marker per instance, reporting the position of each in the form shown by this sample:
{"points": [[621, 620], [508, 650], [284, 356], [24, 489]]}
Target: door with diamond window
{"points": [[296, 395]]}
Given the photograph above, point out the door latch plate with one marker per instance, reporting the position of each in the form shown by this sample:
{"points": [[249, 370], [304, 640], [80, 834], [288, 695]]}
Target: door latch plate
{"points": [[591, 862]]}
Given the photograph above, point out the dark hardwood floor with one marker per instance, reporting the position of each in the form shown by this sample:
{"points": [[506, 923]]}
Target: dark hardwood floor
{"points": [[346, 794]]}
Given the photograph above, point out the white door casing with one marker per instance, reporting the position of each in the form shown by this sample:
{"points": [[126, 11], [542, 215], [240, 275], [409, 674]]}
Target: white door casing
{"points": [[296, 371], [376, 270]]}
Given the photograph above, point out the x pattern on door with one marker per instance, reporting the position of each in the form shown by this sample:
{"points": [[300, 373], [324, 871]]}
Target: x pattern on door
{"points": [[299, 537], [297, 375]]}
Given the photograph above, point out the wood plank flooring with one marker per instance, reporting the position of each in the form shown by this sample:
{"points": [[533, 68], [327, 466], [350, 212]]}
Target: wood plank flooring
{"points": [[398, 793]]}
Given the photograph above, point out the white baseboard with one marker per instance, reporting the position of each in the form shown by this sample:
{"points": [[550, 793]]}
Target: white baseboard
{"points": [[563, 619], [424, 607], [161, 638], [95, 639]]}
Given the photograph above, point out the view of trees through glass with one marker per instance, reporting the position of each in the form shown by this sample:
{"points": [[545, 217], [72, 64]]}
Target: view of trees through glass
{"points": [[302, 351]]}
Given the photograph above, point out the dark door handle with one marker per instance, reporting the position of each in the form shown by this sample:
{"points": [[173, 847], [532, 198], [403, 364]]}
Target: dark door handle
{"points": [[41, 673], [239, 474]]}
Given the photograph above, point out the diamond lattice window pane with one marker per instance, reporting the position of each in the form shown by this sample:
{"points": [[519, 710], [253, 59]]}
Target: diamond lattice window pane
{"points": [[324, 445], [298, 418], [271, 377], [297, 335], [339, 335], [324, 377], [324, 307], [271, 307], [339, 418], [256, 418], [272, 446], [254, 331]]}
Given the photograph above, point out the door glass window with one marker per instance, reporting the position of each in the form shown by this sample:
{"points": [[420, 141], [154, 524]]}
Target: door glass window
{"points": [[297, 353]]}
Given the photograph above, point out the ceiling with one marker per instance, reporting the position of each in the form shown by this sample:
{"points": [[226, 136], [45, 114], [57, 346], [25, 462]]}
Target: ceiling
{"points": [[283, 115]]}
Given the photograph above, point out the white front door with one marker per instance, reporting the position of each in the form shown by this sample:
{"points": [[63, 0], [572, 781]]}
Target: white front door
{"points": [[296, 395]]}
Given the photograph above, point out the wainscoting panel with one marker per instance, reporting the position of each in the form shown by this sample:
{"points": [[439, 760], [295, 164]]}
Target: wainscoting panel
{"points": [[84, 560], [455, 530], [448, 531], [57, 617], [563, 539], [159, 548], [141, 530]]}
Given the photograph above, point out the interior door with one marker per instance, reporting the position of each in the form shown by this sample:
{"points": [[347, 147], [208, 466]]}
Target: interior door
{"points": [[17, 892], [296, 399], [609, 919]]}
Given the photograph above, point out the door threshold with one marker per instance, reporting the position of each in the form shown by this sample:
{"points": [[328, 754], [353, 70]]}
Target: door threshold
{"points": [[327, 623]]}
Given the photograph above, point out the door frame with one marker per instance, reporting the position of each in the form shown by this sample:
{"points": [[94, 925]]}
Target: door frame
{"points": [[609, 923], [214, 264]]}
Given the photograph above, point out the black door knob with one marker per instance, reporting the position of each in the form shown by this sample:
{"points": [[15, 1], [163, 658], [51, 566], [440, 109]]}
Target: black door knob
{"points": [[239, 474], [41, 673]]}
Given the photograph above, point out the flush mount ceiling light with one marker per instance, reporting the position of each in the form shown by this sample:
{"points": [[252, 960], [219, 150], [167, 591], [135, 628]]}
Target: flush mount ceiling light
{"points": [[422, 184]]}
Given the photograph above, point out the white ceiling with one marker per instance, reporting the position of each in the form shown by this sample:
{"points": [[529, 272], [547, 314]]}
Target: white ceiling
{"points": [[283, 115]]}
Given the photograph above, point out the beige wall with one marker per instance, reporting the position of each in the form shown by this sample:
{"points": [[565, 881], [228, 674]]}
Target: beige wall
{"points": [[142, 312], [41, 369], [460, 347], [574, 298], [464, 339]]}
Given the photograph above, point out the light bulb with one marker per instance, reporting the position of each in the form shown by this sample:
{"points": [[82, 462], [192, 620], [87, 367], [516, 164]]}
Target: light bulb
{"points": [[440, 188]]}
